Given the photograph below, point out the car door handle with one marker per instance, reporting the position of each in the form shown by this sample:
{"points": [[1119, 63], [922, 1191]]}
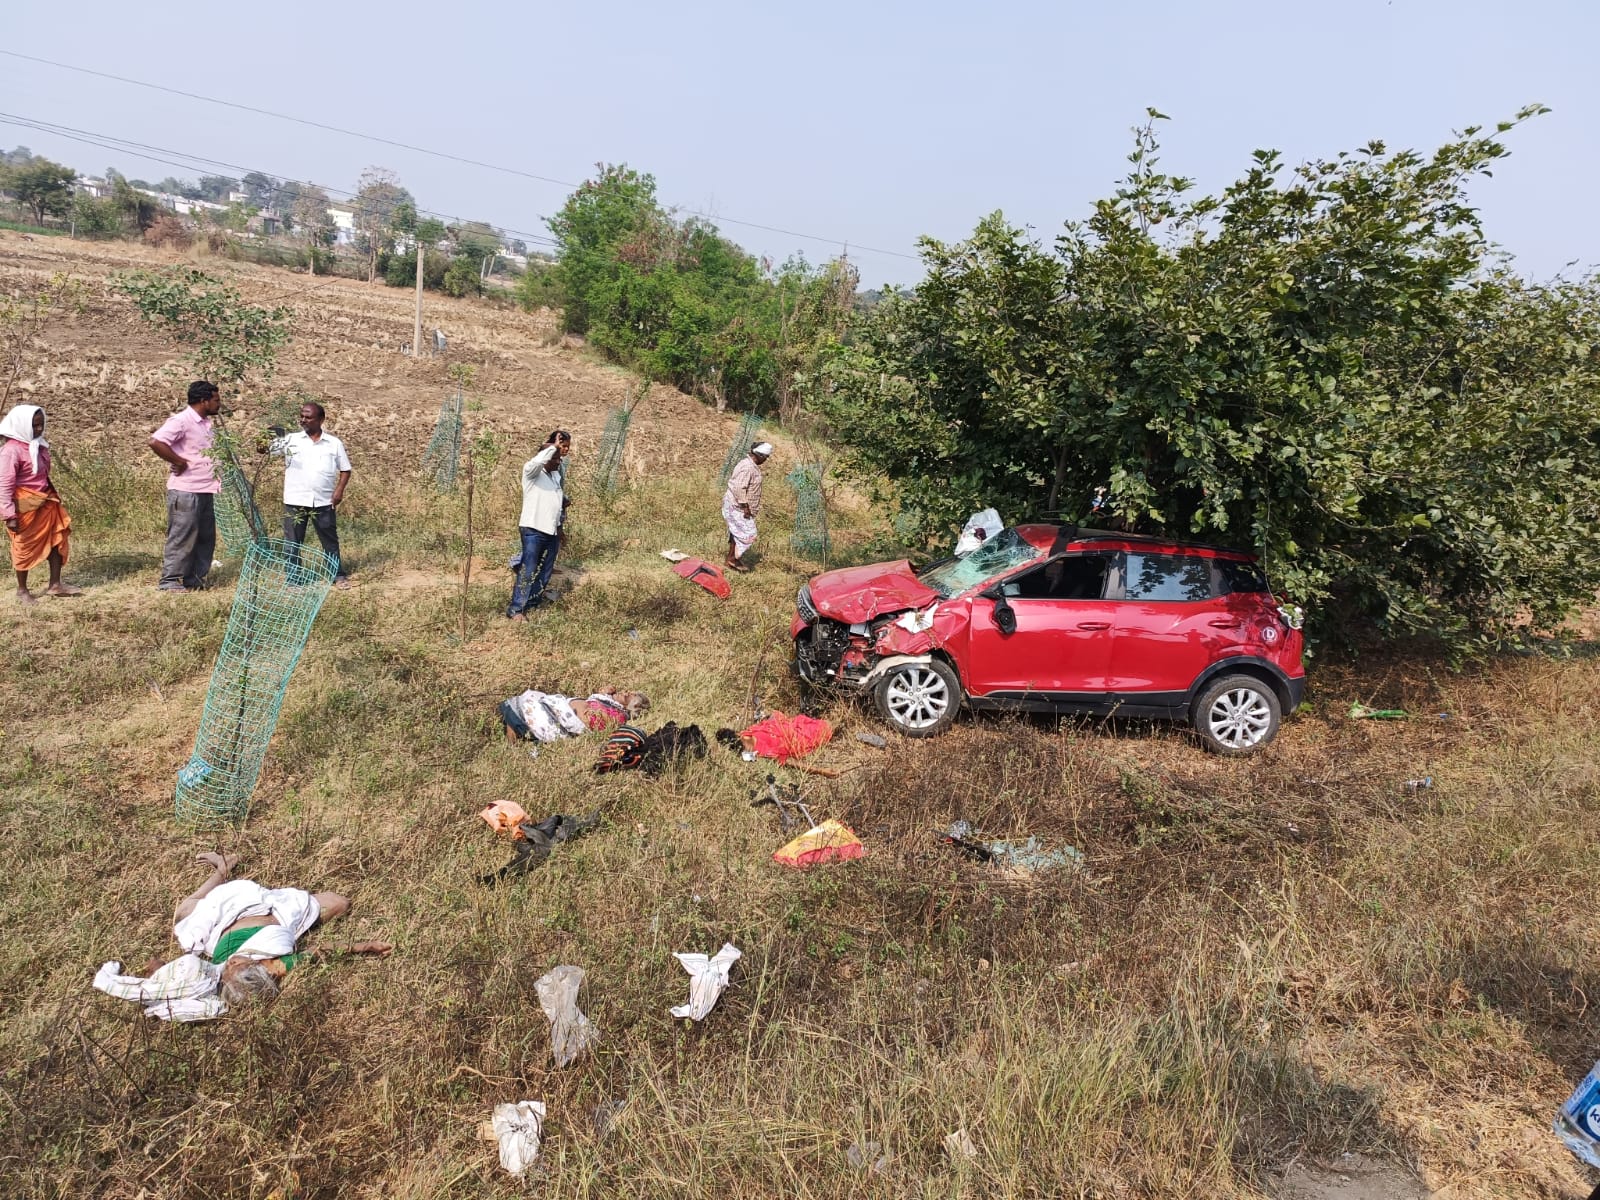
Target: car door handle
{"points": [[1094, 624], [1221, 623]]}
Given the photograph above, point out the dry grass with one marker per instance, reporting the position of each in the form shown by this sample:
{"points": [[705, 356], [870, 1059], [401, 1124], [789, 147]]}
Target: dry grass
{"points": [[1285, 957]]}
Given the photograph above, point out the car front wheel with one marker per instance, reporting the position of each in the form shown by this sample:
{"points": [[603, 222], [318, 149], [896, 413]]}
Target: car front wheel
{"points": [[1237, 715], [919, 699]]}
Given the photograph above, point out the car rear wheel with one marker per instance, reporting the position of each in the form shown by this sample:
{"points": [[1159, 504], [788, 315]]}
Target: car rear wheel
{"points": [[1237, 714], [919, 699]]}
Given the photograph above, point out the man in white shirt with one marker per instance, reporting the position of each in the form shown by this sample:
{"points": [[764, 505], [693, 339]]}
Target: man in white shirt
{"points": [[316, 470], [544, 507]]}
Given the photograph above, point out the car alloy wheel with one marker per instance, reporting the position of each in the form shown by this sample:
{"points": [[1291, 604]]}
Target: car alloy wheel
{"points": [[1240, 718], [917, 698]]}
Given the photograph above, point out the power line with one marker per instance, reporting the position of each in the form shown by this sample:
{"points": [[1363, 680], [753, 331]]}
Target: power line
{"points": [[425, 150]]}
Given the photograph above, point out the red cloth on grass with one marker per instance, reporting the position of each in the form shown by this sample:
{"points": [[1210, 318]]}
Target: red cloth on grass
{"points": [[783, 738]]}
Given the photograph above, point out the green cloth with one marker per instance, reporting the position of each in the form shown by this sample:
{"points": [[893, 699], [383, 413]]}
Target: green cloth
{"points": [[230, 942]]}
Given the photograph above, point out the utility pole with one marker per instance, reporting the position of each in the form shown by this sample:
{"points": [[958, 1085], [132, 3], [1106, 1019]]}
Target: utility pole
{"points": [[416, 335]]}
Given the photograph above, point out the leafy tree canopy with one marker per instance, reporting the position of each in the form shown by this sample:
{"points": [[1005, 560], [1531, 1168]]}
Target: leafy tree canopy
{"points": [[1328, 364]]}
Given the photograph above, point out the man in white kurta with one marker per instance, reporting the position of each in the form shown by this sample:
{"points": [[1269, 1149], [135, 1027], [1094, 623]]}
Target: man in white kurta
{"points": [[316, 470], [742, 502]]}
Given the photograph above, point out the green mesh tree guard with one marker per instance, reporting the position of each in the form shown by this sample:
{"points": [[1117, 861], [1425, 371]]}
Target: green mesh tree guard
{"points": [[238, 519], [443, 455], [810, 537], [749, 427], [612, 442], [281, 588]]}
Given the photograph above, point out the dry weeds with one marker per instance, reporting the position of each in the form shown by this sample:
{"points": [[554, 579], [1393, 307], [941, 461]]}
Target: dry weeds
{"points": [[1266, 961]]}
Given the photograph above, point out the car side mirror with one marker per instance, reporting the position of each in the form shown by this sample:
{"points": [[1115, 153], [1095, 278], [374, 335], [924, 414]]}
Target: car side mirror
{"points": [[1005, 617]]}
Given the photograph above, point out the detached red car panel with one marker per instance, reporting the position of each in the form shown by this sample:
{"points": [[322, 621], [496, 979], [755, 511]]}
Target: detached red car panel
{"points": [[1058, 619]]}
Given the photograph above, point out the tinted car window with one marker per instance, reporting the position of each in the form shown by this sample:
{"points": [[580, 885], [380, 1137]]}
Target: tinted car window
{"points": [[1240, 577], [1167, 577], [1079, 577], [1003, 552]]}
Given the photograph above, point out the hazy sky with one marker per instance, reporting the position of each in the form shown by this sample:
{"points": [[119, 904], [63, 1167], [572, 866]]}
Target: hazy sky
{"points": [[871, 123]]}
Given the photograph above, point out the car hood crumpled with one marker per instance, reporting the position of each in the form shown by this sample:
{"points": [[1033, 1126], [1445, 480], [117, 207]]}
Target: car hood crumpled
{"points": [[857, 594]]}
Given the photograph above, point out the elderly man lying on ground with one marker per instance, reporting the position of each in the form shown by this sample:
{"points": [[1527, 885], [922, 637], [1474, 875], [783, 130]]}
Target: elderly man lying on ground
{"points": [[248, 933]]}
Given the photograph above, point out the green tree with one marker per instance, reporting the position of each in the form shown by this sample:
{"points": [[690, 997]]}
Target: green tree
{"points": [[378, 198], [259, 190], [613, 208], [45, 187], [216, 188], [96, 218], [230, 340], [1326, 364], [313, 221]]}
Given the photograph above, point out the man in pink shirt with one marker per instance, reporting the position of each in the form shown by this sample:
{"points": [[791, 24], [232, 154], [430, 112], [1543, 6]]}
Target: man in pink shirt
{"points": [[184, 444]]}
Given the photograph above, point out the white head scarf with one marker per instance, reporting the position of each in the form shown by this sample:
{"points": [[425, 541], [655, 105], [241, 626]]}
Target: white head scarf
{"points": [[18, 425], [762, 448]]}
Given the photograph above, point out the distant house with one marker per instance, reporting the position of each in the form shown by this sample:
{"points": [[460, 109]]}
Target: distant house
{"points": [[182, 205], [266, 223], [94, 187], [344, 223]]}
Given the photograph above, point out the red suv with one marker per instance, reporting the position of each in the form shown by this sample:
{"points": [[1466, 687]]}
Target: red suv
{"points": [[1052, 618]]}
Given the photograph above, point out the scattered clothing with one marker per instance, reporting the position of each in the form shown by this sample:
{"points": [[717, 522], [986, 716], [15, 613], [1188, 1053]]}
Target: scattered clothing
{"points": [[783, 738], [697, 570], [536, 841], [294, 910], [707, 979], [517, 1127], [570, 1031], [980, 527], [827, 842], [631, 748], [503, 816], [183, 990]]}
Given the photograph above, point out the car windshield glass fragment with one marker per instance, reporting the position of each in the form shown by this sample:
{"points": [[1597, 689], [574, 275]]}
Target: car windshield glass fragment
{"points": [[1001, 553]]}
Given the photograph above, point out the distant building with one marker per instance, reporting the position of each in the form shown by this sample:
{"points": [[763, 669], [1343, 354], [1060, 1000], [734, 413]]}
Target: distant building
{"points": [[94, 187], [344, 223]]}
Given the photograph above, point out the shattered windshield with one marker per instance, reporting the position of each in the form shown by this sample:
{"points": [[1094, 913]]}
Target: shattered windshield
{"points": [[999, 554]]}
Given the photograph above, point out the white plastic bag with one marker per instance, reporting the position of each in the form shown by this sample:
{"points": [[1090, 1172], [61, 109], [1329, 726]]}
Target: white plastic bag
{"points": [[570, 1031], [980, 527], [707, 978], [517, 1127]]}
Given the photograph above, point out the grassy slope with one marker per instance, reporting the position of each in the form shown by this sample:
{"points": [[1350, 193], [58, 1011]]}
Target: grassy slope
{"points": [[1285, 956], [1278, 956]]}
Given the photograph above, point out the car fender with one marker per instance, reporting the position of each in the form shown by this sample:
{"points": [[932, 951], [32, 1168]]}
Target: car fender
{"points": [[1281, 683], [896, 660]]}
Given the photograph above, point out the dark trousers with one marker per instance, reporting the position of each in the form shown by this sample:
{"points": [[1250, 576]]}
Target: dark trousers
{"points": [[538, 560], [295, 520], [191, 539]]}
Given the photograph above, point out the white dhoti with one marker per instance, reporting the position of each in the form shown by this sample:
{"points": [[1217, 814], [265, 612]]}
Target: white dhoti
{"points": [[741, 529]]}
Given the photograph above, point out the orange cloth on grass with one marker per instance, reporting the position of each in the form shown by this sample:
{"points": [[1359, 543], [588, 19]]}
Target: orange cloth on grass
{"points": [[42, 526], [504, 816]]}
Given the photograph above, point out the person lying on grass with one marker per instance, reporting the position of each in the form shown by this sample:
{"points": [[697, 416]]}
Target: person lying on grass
{"points": [[252, 931], [549, 717]]}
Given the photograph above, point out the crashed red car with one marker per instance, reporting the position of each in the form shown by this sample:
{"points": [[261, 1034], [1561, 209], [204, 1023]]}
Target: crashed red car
{"points": [[1051, 618]]}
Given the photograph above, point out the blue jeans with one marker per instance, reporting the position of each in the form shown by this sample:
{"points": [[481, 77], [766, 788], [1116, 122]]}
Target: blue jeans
{"points": [[538, 560]]}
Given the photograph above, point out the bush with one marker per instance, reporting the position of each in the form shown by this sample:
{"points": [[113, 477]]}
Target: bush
{"points": [[461, 277], [168, 230], [96, 218]]}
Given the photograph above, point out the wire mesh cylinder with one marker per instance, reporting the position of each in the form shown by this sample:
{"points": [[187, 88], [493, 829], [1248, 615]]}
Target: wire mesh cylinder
{"points": [[749, 427], [239, 522], [612, 442], [810, 537], [443, 455], [281, 588]]}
